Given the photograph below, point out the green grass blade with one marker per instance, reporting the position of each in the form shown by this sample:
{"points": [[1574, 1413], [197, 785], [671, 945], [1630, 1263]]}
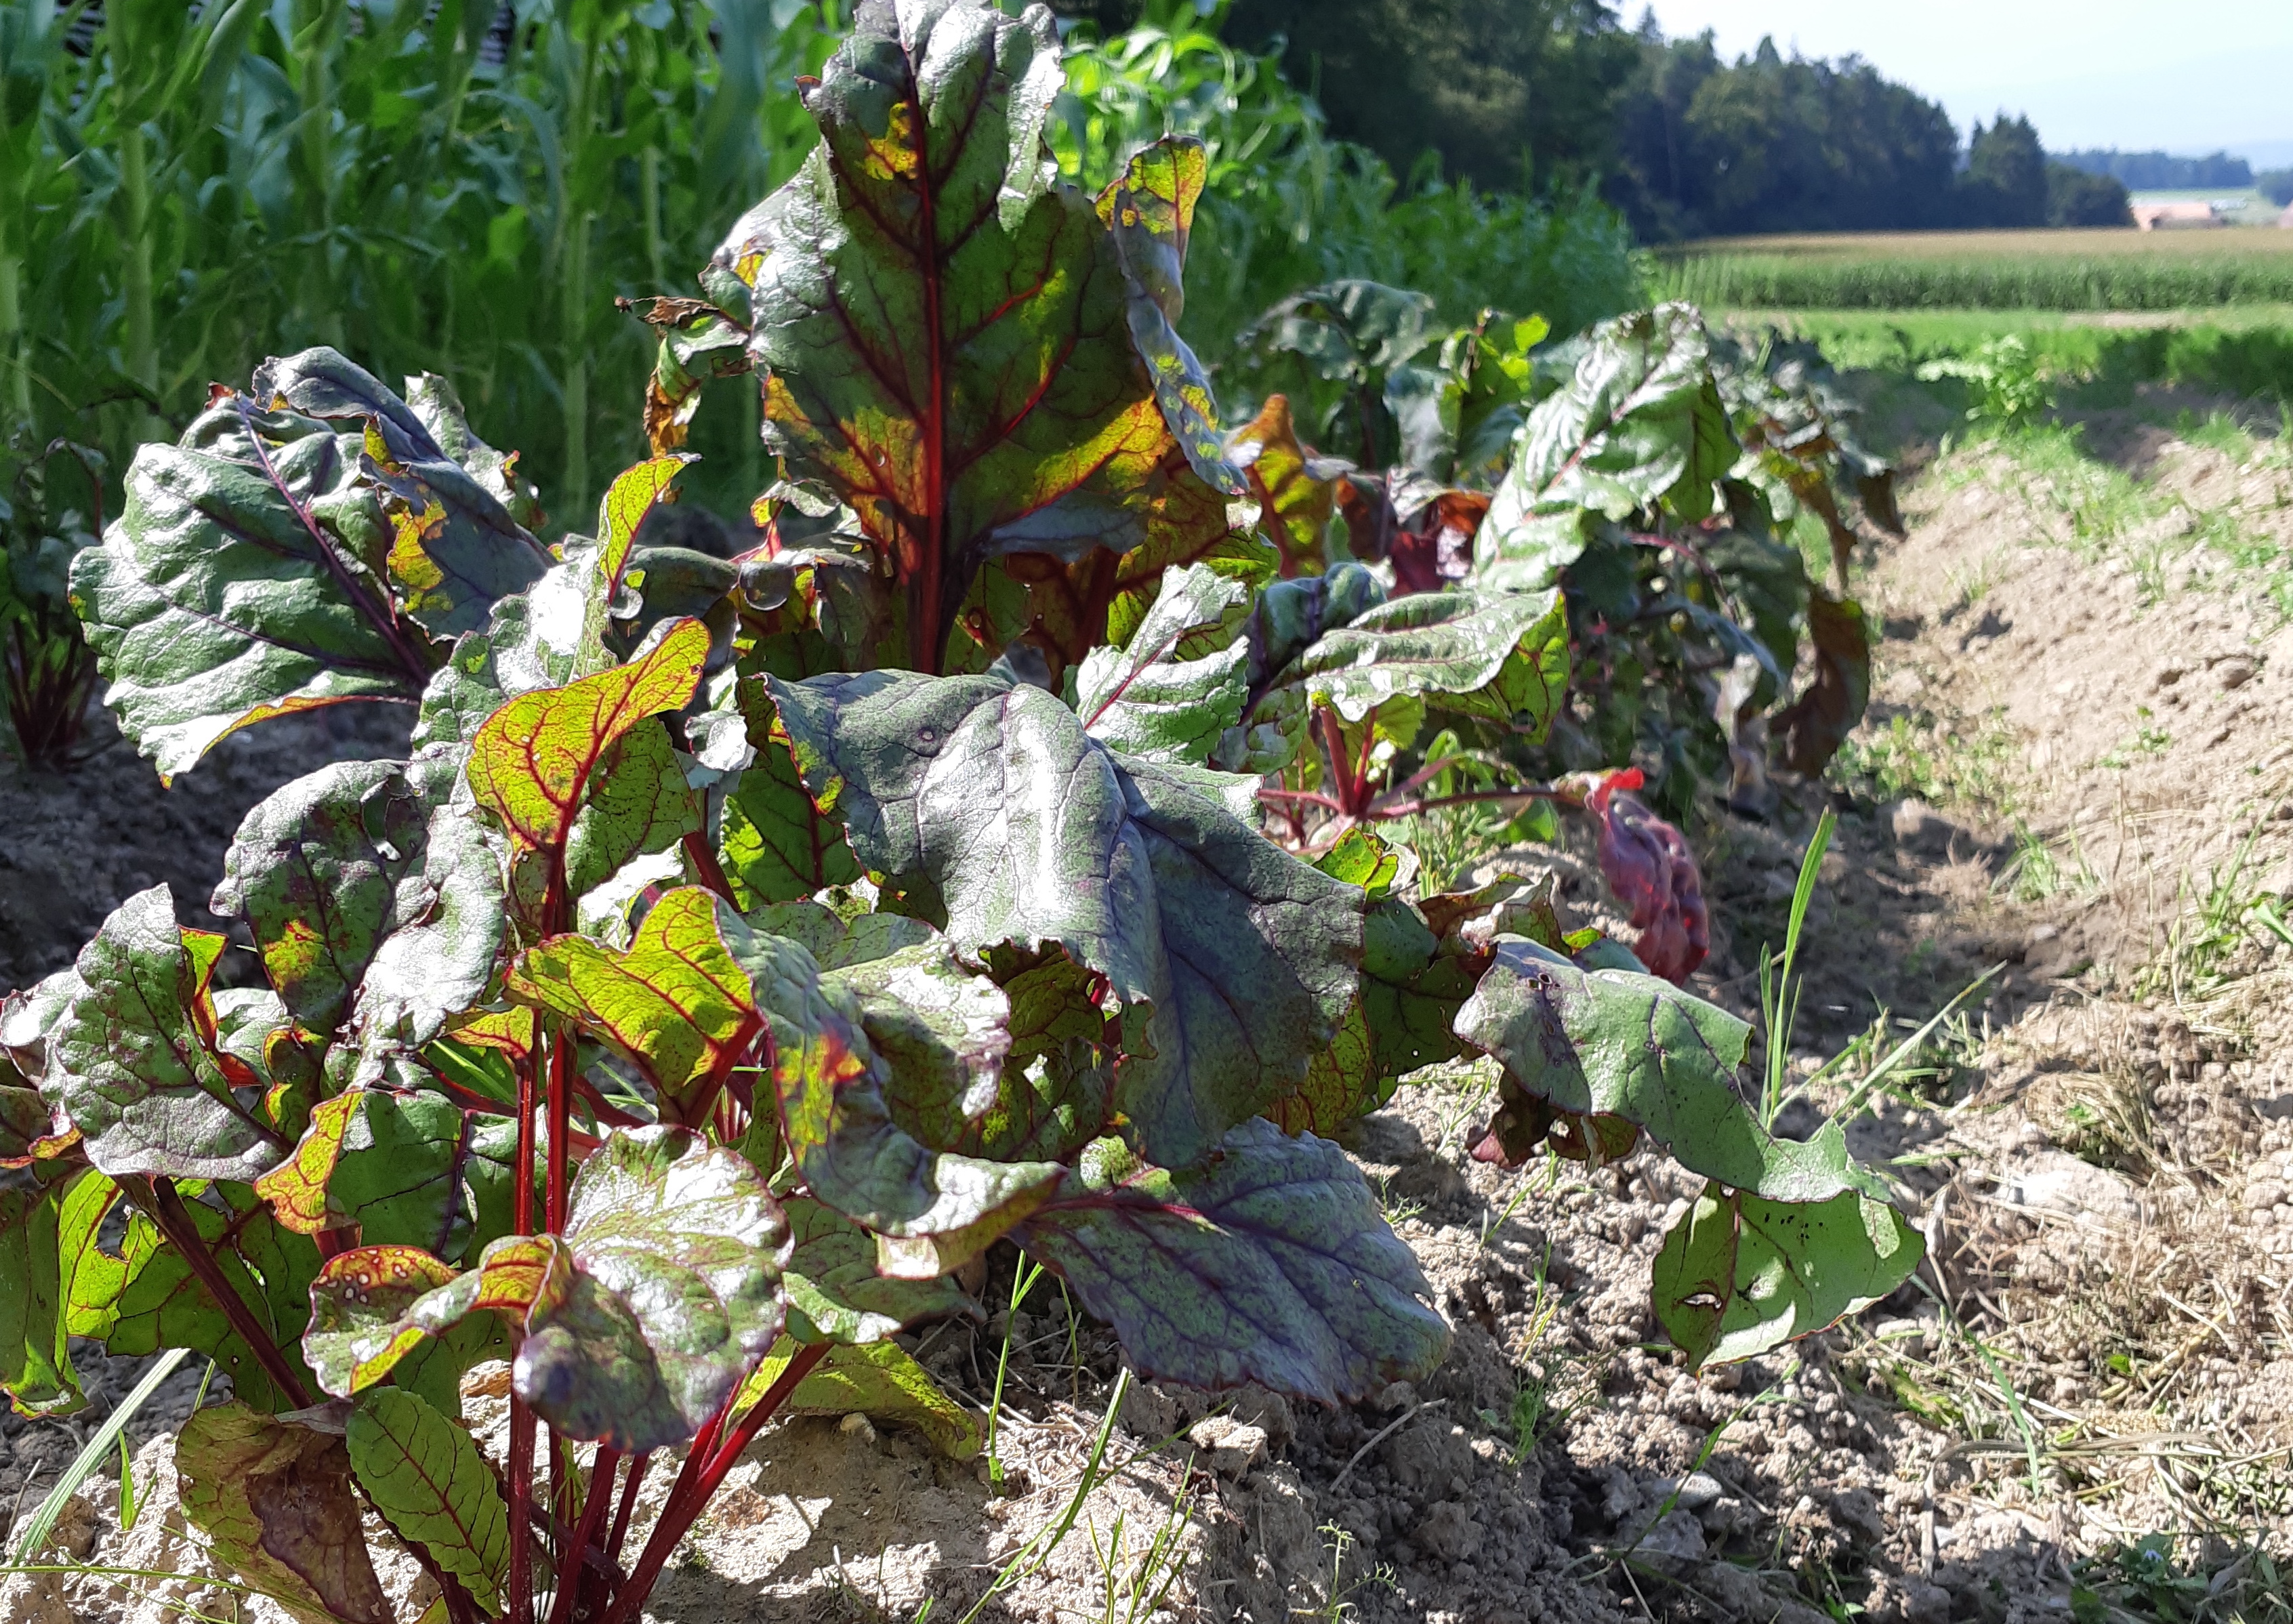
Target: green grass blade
{"points": [[1778, 995], [37, 1527]]}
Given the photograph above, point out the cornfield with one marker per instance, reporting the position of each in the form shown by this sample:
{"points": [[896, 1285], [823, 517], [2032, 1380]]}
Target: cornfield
{"points": [[2046, 270]]}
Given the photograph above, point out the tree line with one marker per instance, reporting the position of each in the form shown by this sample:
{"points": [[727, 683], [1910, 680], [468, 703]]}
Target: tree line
{"points": [[1543, 94]]}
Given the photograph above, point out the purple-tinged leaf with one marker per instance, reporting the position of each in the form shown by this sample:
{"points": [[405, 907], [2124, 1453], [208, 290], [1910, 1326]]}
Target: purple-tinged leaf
{"points": [[1228, 962], [1613, 1052], [276, 1502], [944, 327], [1648, 865], [242, 580], [377, 905], [1269, 1264]]}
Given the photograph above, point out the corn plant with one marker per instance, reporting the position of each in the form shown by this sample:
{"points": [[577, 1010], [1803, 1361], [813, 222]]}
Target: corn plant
{"points": [[742, 948]]}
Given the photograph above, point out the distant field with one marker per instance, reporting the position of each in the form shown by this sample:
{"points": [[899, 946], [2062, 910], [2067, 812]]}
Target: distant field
{"points": [[2002, 271], [2245, 352]]}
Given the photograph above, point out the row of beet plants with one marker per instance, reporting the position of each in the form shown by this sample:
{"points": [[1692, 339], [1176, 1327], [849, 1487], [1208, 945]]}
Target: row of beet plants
{"points": [[741, 948]]}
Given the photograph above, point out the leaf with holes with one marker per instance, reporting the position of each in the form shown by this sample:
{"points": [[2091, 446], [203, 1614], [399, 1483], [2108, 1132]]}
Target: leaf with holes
{"points": [[276, 1502], [1269, 1264], [944, 327], [426, 1478], [698, 342], [135, 1064], [1738, 1274], [1227, 961]]}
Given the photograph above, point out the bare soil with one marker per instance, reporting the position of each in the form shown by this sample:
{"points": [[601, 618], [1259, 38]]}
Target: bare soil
{"points": [[2076, 776]]}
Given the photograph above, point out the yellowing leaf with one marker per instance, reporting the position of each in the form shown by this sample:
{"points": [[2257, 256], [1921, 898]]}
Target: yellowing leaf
{"points": [[276, 1501], [675, 1002], [531, 763]]}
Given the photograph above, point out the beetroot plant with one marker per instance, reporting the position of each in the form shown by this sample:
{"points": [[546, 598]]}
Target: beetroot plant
{"points": [[741, 948]]}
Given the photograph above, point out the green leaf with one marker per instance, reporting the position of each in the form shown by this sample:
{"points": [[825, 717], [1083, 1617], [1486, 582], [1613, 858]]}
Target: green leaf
{"points": [[1641, 421], [426, 1478], [275, 1501], [880, 1379], [1181, 680], [1150, 211], [240, 581], [408, 1170], [639, 805], [1411, 989], [162, 1304], [1503, 657], [677, 1004], [934, 1209], [531, 763], [836, 942], [1621, 1047], [439, 405], [36, 1366], [778, 847], [92, 1278], [834, 1293], [456, 545], [376, 904], [545, 637], [900, 371], [940, 1030], [1269, 1265], [1228, 962], [637, 1322], [1739, 1275], [134, 1061]]}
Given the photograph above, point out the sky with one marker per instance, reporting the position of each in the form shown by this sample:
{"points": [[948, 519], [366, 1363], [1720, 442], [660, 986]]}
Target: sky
{"points": [[2184, 75]]}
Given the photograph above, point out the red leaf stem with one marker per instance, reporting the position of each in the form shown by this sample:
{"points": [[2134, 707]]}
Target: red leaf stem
{"points": [[174, 1222], [694, 1488], [593, 1510]]}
